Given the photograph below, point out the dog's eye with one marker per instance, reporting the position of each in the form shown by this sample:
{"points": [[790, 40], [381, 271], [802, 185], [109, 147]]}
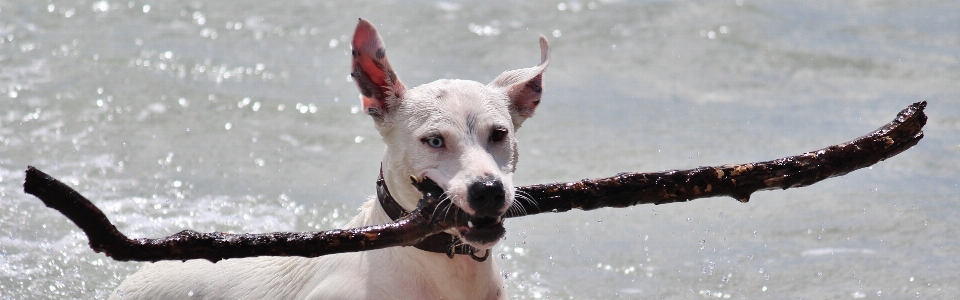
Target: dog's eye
{"points": [[498, 134], [435, 141]]}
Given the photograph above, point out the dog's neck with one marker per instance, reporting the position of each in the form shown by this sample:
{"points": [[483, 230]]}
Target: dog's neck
{"points": [[438, 243]]}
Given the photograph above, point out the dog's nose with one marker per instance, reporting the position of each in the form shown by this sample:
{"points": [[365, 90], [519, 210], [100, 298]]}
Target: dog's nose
{"points": [[486, 196]]}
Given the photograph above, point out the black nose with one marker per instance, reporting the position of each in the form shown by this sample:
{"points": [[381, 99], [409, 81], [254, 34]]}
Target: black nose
{"points": [[486, 196]]}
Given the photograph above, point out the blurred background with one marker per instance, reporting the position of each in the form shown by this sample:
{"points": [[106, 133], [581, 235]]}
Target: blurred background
{"points": [[239, 116]]}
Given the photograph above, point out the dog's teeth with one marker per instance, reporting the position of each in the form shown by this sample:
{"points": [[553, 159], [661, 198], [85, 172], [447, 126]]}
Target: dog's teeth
{"points": [[470, 224]]}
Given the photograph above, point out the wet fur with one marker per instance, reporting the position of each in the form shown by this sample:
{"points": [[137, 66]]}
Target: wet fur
{"points": [[466, 115]]}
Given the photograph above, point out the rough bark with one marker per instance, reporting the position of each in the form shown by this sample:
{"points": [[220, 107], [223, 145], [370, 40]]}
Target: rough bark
{"points": [[737, 181], [188, 244], [623, 190]]}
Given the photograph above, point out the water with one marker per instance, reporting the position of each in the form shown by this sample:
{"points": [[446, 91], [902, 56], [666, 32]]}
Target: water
{"points": [[239, 117]]}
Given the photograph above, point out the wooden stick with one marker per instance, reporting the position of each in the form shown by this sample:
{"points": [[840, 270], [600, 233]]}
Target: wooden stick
{"points": [[188, 244], [623, 190], [737, 181]]}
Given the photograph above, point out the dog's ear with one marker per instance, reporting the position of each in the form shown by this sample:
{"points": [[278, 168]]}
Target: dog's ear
{"points": [[379, 86], [524, 86]]}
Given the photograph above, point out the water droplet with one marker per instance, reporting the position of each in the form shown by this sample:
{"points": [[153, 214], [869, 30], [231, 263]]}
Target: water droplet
{"points": [[190, 294], [101, 6], [228, 126]]}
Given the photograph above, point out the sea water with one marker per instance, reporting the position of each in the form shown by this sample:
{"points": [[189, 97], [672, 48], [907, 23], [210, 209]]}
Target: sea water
{"points": [[240, 116]]}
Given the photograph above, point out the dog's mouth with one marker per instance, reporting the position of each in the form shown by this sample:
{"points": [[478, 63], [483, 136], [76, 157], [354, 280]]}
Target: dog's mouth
{"points": [[482, 231], [478, 231]]}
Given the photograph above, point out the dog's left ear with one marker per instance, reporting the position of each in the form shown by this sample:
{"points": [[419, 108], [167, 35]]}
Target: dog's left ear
{"points": [[524, 86], [379, 86]]}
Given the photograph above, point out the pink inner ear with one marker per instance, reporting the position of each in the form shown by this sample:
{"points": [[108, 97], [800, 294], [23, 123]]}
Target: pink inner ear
{"points": [[366, 44], [372, 71], [524, 87], [369, 104]]}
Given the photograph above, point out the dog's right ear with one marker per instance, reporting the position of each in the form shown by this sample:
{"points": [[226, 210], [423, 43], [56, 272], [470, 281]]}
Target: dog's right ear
{"points": [[379, 86]]}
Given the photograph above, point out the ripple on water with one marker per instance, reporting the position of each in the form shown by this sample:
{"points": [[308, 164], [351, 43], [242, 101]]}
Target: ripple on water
{"points": [[58, 263], [831, 251]]}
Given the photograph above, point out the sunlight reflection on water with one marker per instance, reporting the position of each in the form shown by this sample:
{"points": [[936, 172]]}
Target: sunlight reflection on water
{"points": [[177, 114]]}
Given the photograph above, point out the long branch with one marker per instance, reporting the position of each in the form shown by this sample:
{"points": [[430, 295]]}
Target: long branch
{"points": [[623, 190], [188, 244], [737, 181]]}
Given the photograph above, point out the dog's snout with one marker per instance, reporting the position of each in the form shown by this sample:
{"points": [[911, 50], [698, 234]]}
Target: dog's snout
{"points": [[487, 196]]}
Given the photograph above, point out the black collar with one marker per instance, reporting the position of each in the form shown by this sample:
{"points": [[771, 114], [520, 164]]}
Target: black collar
{"points": [[438, 243]]}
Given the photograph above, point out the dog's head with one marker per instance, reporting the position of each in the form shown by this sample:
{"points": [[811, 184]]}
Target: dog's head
{"points": [[458, 133]]}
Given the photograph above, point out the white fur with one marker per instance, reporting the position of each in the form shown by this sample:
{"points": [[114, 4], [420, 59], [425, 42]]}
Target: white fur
{"points": [[464, 113]]}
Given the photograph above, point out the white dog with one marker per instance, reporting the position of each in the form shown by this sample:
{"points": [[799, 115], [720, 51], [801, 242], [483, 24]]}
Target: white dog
{"points": [[458, 133]]}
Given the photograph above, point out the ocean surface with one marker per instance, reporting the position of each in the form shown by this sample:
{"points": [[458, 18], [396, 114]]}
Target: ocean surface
{"points": [[239, 116]]}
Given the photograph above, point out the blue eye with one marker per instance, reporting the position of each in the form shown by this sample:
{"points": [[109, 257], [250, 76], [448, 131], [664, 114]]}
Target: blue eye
{"points": [[435, 141]]}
